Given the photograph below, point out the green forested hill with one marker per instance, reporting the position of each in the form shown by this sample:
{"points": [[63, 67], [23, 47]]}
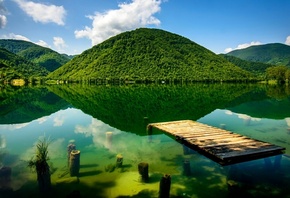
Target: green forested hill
{"points": [[254, 67], [274, 54], [14, 66], [45, 57], [149, 54]]}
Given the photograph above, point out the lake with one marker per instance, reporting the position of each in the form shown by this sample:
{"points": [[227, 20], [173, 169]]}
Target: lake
{"points": [[106, 121]]}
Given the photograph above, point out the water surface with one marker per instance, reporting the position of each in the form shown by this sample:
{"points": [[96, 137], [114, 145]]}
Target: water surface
{"points": [[85, 114]]}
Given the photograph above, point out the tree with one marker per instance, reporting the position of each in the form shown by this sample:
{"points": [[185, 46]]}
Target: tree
{"points": [[278, 73]]}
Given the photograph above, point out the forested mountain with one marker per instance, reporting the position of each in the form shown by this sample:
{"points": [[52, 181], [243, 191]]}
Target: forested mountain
{"points": [[149, 54], [257, 68], [274, 54], [45, 57], [14, 66]]}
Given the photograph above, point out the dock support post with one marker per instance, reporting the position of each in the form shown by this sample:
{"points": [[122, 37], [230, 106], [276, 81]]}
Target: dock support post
{"points": [[109, 137], [164, 186], [119, 161], [186, 168], [74, 163], [143, 171], [70, 147]]}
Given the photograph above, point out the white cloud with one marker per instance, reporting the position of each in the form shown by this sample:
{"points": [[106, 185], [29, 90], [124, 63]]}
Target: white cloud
{"points": [[58, 121], [287, 42], [13, 127], [59, 43], [3, 21], [14, 36], [42, 43], [43, 13], [227, 50], [243, 46], [3, 12], [128, 16]]}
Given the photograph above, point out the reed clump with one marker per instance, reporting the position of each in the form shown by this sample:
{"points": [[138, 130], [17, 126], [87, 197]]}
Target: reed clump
{"points": [[39, 162]]}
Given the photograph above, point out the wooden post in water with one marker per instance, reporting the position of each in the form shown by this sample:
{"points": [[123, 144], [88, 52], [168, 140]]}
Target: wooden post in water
{"points": [[148, 128], [70, 147], [143, 171], [164, 186], [186, 168], [109, 137], [74, 163], [119, 161], [186, 150], [223, 126]]}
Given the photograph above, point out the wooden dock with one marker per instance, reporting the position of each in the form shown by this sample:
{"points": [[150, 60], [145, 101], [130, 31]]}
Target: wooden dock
{"points": [[222, 146]]}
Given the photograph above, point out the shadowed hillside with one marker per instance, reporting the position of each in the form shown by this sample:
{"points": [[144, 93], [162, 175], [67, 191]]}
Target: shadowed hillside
{"points": [[274, 54], [42, 56]]}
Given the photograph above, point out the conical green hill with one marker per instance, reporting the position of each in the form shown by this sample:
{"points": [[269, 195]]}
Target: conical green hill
{"points": [[149, 54]]}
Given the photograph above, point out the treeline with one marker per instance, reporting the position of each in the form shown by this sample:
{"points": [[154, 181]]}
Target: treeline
{"points": [[39, 55], [13, 66]]}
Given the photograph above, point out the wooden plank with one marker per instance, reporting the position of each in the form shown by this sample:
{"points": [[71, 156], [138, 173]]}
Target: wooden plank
{"points": [[249, 152], [217, 143], [215, 136]]}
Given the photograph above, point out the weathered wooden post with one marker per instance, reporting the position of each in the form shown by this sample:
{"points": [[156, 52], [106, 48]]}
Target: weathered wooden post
{"points": [[143, 171], [247, 120], [74, 163], [119, 161], [186, 150], [223, 126], [70, 147], [186, 168], [109, 137], [148, 129], [164, 186]]}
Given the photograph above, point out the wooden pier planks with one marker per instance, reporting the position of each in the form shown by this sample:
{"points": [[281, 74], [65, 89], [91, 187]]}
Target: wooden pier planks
{"points": [[221, 145]]}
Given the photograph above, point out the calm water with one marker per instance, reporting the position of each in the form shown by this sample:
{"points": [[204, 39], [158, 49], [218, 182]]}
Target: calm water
{"points": [[85, 114]]}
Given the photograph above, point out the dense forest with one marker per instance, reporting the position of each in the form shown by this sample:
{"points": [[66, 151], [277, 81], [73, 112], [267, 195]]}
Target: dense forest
{"points": [[144, 55], [257, 68], [13, 66], [274, 54], [42, 56], [150, 54]]}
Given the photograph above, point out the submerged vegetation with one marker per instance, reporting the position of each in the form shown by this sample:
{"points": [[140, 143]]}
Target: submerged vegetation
{"points": [[40, 164]]}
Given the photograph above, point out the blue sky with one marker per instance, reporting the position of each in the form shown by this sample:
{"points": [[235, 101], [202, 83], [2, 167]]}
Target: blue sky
{"points": [[72, 26]]}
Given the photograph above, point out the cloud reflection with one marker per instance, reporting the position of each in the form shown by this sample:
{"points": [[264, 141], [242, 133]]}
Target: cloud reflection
{"points": [[97, 129], [42, 120], [55, 149], [58, 121], [244, 117], [12, 127]]}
